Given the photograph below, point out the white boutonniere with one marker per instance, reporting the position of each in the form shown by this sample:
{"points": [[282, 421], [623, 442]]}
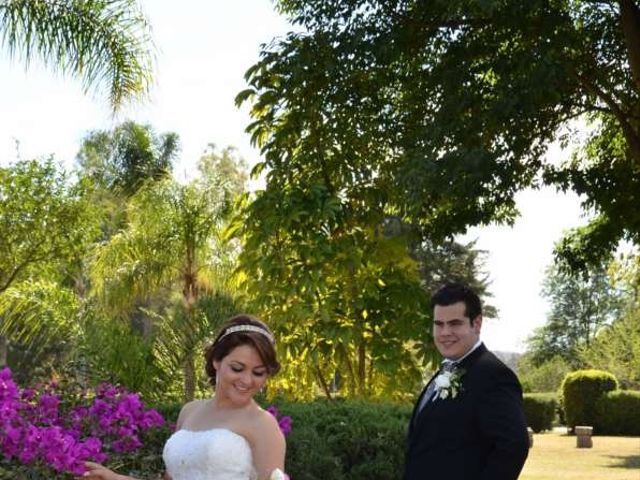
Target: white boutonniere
{"points": [[448, 383]]}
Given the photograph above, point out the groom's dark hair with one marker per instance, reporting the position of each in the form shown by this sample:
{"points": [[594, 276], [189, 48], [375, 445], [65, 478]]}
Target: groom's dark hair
{"points": [[451, 293]]}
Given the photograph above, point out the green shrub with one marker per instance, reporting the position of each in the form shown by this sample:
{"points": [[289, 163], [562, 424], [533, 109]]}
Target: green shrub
{"points": [[346, 440], [169, 411], [341, 440], [618, 413], [546, 377], [581, 391], [540, 410], [562, 418]]}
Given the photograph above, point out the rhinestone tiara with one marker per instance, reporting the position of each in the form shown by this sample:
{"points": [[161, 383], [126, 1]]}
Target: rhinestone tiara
{"points": [[247, 328]]}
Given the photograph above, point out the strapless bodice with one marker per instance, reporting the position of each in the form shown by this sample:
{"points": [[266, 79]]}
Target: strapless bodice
{"points": [[215, 454]]}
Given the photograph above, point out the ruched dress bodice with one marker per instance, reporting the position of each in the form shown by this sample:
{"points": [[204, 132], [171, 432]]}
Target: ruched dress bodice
{"points": [[215, 454]]}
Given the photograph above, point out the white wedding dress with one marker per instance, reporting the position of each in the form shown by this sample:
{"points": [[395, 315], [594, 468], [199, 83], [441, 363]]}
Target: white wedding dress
{"points": [[216, 454]]}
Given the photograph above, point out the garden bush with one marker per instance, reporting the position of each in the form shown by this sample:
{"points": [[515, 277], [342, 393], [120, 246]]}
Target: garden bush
{"points": [[540, 410], [50, 431], [618, 413], [541, 378], [346, 440], [581, 391], [342, 440]]}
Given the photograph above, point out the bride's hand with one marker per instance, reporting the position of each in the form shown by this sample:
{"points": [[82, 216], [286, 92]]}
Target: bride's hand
{"points": [[95, 471]]}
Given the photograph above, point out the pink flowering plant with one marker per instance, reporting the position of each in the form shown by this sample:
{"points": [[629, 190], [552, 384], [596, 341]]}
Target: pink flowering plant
{"points": [[284, 421], [48, 433]]}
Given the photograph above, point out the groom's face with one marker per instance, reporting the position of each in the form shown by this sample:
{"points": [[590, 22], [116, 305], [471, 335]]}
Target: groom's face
{"points": [[453, 332]]}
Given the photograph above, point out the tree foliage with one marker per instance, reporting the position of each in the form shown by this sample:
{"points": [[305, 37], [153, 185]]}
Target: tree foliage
{"points": [[542, 377], [119, 162], [441, 111], [41, 318], [45, 221], [580, 307], [344, 288], [616, 349], [104, 43], [172, 247], [123, 159], [454, 262], [227, 164], [341, 296], [46, 225]]}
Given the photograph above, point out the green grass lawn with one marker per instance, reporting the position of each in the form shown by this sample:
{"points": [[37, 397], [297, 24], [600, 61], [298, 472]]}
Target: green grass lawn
{"points": [[555, 456]]}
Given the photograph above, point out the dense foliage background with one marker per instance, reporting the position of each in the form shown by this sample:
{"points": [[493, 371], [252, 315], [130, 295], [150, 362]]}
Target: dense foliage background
{"points": [[386, 128]]}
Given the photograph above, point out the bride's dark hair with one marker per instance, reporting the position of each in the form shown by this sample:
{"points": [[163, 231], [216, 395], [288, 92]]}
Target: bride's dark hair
{"points": [[242, 330]]}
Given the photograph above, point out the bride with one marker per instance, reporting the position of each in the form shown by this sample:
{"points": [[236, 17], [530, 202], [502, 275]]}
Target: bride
{"points": [[228, 436]]}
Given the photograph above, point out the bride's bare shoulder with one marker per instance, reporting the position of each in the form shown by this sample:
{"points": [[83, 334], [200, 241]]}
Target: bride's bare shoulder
{"points": [[266, 422], [187, 410]]}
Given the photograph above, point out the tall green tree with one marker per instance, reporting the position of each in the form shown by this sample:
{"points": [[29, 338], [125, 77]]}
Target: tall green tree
{"points": [[122, 159], [616, 349], [107, 44], [119, 161], [542, 377], [46, 225], [227, 164], [41, 320], [172, 245], [581, 305], [342, 288], [443, 110], [451, 261]]}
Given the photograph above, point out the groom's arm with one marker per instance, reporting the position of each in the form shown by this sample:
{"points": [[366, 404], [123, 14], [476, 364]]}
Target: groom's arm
{"points": [[502, 424]]}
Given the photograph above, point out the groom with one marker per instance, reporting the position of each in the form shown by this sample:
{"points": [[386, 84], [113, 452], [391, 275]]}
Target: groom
{"points": [[468, 423]]}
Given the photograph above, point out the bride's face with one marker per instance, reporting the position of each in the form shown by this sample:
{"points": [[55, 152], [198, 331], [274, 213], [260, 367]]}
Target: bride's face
{"points": [[240, 375]]}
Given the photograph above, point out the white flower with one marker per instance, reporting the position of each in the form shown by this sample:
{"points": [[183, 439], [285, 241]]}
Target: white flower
{"points": [[443, 380], [278, 474], [448, 384]]}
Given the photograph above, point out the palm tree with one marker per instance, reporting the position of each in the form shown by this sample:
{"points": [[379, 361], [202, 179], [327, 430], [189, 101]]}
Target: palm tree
{"points": [[105, 43], [119, 161], [172, 244]]}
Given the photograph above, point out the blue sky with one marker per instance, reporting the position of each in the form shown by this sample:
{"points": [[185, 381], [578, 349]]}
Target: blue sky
{"points": [[204, 48]]}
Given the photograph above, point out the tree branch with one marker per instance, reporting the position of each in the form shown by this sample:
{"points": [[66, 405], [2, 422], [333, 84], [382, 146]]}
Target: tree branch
{"points": [[322, 382], [633, 140], [21, 267]]}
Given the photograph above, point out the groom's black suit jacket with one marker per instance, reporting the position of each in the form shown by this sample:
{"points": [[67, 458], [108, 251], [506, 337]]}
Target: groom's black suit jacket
{"points": [[479, 435]]}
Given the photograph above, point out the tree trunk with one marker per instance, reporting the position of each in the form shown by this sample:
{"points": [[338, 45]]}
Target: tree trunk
{"points": [[630, 21], [362, 366], [189, 378], [322, 382], [4, 350], [190, 298], [631, 135], [141, 322], [352, 375]]}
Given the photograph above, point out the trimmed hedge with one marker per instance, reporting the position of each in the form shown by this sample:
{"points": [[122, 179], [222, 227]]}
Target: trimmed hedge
{"points": [[540, 410], [618, 413], [346, 440], [341, 440], [581, 391]]}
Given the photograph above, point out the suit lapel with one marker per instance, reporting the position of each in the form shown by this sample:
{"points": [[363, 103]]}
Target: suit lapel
{"points": [[465, 364], [468, 361], [416, 407]]}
